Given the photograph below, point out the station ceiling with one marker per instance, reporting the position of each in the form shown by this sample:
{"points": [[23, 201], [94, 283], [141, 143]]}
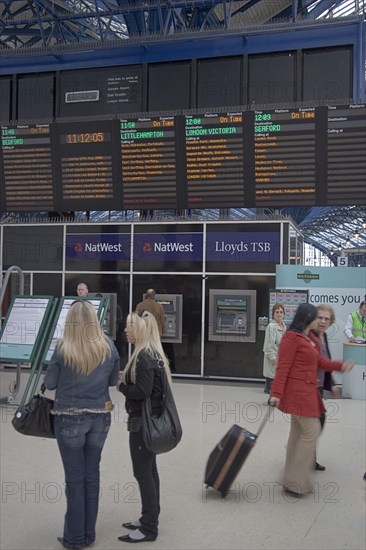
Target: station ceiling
{"points": [[47, 23]]}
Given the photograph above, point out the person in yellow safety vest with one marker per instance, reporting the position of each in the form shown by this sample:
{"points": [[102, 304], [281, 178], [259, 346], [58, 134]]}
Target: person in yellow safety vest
{"points": [[355, 328]]}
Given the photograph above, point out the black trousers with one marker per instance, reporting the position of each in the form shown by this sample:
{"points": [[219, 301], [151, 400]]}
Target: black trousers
{"points": [[146, 474]]}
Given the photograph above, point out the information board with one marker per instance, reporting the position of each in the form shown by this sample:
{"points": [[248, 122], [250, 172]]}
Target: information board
{"points": [[256, 158], [289, 299], [99, 304], [85, 169], [285, 157], [148, 162], [26, 168], [214, 160], [23, 327], [347, 154]]}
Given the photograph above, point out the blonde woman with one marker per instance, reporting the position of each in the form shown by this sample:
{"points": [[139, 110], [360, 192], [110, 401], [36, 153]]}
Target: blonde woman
{"points": [[85, 363], [141, 379]]}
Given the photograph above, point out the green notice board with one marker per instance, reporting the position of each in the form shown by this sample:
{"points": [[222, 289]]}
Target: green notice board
{"points": [[24, 327], [57, 329]]}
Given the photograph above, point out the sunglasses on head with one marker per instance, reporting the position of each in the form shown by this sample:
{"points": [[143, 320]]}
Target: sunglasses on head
{"points": [[143, 313]]}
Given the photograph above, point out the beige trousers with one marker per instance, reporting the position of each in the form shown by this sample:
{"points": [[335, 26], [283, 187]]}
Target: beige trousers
{"points": [[301, 454]]}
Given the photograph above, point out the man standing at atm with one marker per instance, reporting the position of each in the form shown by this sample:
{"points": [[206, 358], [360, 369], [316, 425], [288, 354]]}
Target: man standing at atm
{"points": [[156, 309]]}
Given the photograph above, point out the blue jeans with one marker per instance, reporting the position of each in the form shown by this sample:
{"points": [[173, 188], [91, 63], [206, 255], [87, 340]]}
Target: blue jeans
{"points": [[81, 438]]}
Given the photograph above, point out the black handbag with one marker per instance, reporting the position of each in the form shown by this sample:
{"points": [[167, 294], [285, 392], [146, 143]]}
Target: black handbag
{"points": [[35, 418], [161, 433]]}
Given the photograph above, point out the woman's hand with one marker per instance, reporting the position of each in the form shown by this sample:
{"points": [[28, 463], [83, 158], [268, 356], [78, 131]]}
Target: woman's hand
{"points": [[122, 380], [274, 401], [347, 366]]}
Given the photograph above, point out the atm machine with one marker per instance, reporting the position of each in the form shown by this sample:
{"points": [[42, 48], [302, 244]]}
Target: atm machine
{"points": [[173, 309], [110, 321], [232, 315]]}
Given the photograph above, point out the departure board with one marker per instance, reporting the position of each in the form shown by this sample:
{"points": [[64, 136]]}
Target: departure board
{"points": [[284, 144], [85, 166], [148, 162], [27, 168], [214, 160], [347, 154]]}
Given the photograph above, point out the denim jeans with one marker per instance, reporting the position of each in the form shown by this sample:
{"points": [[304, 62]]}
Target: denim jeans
{"points": [[80, 438], [146, 474]]}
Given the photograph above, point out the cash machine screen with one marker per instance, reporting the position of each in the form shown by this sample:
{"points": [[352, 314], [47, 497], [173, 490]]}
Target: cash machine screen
{"points": [[168, 305], [231, 314]]}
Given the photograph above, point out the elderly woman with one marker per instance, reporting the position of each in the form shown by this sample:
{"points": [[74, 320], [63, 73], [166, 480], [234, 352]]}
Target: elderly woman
{"points": [[295, 391]]}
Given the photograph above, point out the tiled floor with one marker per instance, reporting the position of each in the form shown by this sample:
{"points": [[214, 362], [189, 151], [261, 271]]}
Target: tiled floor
{"points": [[255, 515]]}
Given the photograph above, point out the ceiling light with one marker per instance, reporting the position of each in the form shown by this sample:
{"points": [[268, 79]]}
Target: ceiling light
{"points": [[339, 247], [364, 224], [348, 242], [356, 234]]}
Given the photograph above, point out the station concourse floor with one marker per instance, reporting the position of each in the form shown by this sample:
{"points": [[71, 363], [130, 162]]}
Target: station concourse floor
{"points": [[256, 514]]}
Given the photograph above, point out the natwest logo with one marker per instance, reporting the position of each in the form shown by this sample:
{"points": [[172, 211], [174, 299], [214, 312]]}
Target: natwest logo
{"points": [[167, 247], [173, 247], [78, 247], [103, 247]]}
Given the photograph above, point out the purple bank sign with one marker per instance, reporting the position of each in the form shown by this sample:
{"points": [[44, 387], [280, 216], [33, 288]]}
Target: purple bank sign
{"points": [[98, 246], [168, 247], [175, 247], [243, 247]]}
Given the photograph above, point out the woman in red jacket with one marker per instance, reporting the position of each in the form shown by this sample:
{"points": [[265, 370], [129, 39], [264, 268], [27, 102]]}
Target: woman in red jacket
{"points": [[294, 391]]}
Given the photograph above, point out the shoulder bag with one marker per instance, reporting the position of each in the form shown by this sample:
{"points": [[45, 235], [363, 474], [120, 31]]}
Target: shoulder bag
{"points": [[161, 433], [34, 418]]}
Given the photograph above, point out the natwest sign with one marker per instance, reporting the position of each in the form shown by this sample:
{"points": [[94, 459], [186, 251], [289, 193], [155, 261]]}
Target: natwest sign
{"points": [[168, 247], [98, 246], [243, 247]]}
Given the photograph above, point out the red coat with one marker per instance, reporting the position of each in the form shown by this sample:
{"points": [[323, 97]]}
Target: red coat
{"points": [[295, 382]]}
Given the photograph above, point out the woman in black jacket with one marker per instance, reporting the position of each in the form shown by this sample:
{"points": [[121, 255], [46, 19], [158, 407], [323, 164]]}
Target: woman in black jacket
{"points": [[141, 379]]}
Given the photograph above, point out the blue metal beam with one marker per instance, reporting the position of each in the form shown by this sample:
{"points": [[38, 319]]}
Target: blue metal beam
{"points": [[197, 45]]}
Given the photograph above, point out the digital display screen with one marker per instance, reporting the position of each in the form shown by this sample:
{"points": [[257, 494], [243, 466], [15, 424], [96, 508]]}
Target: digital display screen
{"points": [[214, 160], [255, 158], [86, 174], [284, 145], [227, 319], [347, 154], [27, 168], [231, 302], [148, 162], [168, 305]]}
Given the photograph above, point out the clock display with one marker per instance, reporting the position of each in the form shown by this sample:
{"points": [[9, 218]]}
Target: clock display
{"points": [[86, 137]]}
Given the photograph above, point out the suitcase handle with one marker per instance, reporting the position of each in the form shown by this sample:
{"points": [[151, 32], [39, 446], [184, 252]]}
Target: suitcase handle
{"points": [[265, 419]]}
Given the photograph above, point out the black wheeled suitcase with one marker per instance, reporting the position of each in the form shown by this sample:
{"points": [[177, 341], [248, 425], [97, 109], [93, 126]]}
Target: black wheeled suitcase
{"points": [[228, 456]]}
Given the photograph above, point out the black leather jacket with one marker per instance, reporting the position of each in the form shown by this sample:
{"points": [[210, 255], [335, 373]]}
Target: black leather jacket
{"points": [[148, 384]]}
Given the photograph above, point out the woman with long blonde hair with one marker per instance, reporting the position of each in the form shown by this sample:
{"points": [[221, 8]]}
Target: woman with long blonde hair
{"points": [[84, 364], [141, 379]]}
